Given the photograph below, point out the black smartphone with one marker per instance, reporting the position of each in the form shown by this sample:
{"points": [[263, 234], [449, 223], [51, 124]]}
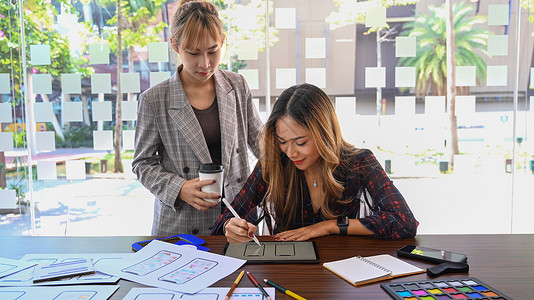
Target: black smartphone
{"points": [[430, 255]]}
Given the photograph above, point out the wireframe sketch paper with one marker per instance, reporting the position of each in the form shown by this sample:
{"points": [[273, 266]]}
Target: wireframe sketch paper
{"points": [[67, 269], [173, 267], [11, 266], [362, 270], [93, 292], [150, 293], [25, 277]]}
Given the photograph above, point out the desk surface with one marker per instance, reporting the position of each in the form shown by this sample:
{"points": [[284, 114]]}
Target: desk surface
{"points": [[506, 262]]}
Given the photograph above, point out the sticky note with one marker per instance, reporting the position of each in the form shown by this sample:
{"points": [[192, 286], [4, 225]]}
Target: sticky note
{"points": [[316, 76], [101, 111], [404, 105], [405, 46], [285, 18], [435, 105], [72, 112], [346, 106], [465, 75], [252, 77], [8, 199], [130, 83], [315, 48], [6, 141], [75, 169], [46, 170], [247, 50], [375, 77], [5, 83], [6, 113], [405, 76], [99, 54], [465, 105], [128, 139], [71, 83], [285, 77], [498, 45], [498, 14], [157, 77], [158, 52], [45, 141], [101, 83], [375, 17], [129, 110], [248, 17], [43, 112], [497, 76], [42, 84], [40, 55], [103, 140]]}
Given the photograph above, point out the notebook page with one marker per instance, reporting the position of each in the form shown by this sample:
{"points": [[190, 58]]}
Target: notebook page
{"points": [[396, 266], [355, 270]]}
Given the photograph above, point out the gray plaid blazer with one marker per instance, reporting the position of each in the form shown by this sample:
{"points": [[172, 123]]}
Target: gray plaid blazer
{"points": [[170, 146]]}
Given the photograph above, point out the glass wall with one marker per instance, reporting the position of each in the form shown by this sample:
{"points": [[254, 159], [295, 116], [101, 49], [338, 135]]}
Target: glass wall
{"points": [[453, 126]]}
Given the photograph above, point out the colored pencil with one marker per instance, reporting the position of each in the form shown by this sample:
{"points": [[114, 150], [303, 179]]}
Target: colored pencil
{"points": [[232, 210], [283, 290], [257, 284], [236, 282]]}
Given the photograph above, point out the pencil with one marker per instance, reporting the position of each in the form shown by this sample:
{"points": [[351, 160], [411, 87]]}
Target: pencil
{"points": [[283, 290], [232, 210], [236, 282], [257, 284]]}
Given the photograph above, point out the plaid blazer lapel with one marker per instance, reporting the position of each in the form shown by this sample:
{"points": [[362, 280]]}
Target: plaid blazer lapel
{"points": [[227, 116], [183, 116]]}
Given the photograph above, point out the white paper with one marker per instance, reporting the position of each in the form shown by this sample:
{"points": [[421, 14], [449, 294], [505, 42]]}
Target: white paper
{"points": [[40, 54], [173, 267], [43, 111], [130, 83], [465, 105], [129, 110], [157, 77], [252, 77], [285, 18], [315, 48], [497, 76], [6, 141], [405, 46], [72, 112], [46, 170], [25, 277], [498, 45], [405, 76], [285, 77], [99, 54], [128, 140], [247, 50], [212, 293], [103, 140], [42, 84], [10, 266], [93, 292], [71, 83], [6, 113], [375, 77], [375, 17], [45, 141], [404, 106], [466, 75], [8, 199], [100, 83], [158, 52], [75, 169], [101, 111], [498, 14], [435, 105], [316, 76], [5, 83]]}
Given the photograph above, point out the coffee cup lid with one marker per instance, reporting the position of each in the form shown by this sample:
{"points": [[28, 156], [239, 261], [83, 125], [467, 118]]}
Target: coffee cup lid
{"points": [[211, 168]]}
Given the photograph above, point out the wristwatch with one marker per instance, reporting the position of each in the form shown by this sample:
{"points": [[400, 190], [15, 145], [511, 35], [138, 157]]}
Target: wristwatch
{"points": [[343, 224]]}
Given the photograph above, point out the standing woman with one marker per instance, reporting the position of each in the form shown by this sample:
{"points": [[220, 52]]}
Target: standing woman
{"points": [[310, 180], [200, 115]]}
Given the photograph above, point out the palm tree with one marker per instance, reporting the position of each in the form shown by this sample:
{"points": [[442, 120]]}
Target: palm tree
{"points": [[431, 57]]}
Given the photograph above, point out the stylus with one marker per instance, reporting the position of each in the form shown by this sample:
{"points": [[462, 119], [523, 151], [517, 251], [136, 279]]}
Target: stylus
{"points": [[238, 217]]}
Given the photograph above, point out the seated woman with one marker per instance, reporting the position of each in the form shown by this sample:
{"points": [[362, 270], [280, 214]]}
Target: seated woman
{"points": [[310, 181]]}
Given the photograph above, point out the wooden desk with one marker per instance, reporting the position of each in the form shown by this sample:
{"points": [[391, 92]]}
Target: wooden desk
{"points": [[506, 262]]}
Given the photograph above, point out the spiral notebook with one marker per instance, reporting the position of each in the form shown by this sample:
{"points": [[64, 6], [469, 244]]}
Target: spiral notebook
{"points": [[362, 270]]}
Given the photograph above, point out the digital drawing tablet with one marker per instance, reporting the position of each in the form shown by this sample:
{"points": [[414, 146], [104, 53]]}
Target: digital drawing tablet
{"points": [[274, 252]]}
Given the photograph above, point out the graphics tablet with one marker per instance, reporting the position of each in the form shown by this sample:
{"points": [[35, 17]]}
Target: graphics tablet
{"points": [[274, 252]]}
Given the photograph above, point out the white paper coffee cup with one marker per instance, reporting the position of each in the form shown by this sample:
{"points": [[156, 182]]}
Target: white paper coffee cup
{"points": [[215, 172]]}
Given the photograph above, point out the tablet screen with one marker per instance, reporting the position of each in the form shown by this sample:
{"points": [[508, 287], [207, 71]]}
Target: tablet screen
{"points": [[274, 252]]}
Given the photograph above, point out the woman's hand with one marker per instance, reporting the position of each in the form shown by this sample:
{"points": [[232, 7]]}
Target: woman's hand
{"points": [[192, 194], [308, 232], [239, 230]]}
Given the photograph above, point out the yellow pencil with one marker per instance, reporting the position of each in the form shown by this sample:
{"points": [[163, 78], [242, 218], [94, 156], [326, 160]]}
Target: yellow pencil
{"points": [[236, 282]]}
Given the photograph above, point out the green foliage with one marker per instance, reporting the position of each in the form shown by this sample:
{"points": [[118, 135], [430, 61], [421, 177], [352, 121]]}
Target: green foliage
{"points": [[431, 56]]}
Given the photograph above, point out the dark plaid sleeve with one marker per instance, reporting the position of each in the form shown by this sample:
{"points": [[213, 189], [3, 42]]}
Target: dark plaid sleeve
{"points": [[245, 202], [393, 219]]}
